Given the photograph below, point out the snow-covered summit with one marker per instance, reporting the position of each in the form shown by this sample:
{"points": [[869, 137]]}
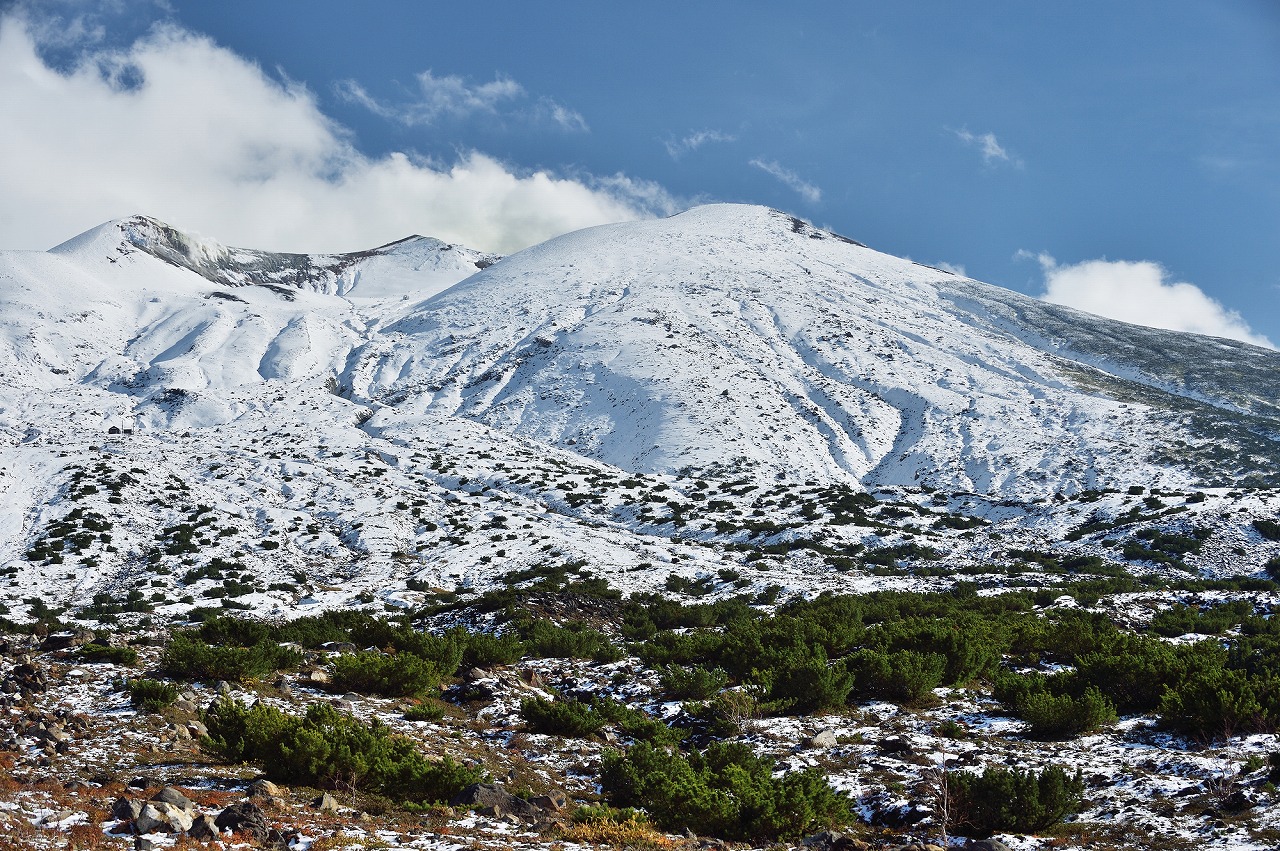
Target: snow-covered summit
{"points": [[728, 339]]}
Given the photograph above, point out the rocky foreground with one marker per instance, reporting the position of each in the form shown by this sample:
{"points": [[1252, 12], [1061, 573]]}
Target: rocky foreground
{"points": [[84, 768]]}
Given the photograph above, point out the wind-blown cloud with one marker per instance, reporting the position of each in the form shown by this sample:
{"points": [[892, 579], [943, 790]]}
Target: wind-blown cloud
{"points": [[451, 96], [990, 148], [802, 187], [1141, 293], [177, 127], [677, 148]]}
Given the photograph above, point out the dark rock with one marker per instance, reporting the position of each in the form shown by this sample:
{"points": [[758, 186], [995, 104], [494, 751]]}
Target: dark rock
{"points": [[244, 817], [204, 828], [491, 799], [143, 782], [987, 845], [63, 640], [126, 809], [170, 795], [553, 802], [830, 840], [1238, 801], [896, 746]]}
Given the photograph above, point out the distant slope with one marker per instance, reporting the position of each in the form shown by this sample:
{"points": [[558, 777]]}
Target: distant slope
{"points": [[735, 339]]}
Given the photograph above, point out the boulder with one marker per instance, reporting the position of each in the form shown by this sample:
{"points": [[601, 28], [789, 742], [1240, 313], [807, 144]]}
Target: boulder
{"points": [[126, 809], [552, 802], [159, 816], [244, 817], [170, 795], [263, 788], [822, 739], [830, 840], [987, 845], [326, 803], [492, 800], [204, 828]]}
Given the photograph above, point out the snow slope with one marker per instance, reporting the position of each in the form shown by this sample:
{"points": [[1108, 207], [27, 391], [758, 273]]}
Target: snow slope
{"points": [[652, 398]]}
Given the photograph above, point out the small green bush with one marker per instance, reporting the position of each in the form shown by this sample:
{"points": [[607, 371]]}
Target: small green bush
{"points": [[371, 672], [1009, 801], [151, 695], [107, 653], [1051, 716], [428, 710], [693, 682], [328, 749], [1268, 529], [562, 717], [483, 650], [724, 791], [189, 658]]}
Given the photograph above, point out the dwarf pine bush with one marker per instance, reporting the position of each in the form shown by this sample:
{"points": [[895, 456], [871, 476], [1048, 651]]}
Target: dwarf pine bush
{"points": [[723, 791], [330, 750]]}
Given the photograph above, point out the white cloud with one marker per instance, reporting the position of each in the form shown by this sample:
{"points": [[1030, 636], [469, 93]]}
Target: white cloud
{"points": [[804, 188], [177, 127], [990, 147], [568, 119], [438, 97], [953, 268], [451, 96], [679, 147], [1141, 293]]}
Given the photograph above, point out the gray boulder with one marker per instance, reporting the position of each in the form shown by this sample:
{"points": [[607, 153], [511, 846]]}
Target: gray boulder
{"points": [[492, 800], [170, 795]]}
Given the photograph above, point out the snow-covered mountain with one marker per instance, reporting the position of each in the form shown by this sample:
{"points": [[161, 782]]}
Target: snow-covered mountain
{"points": [[371, 414]]}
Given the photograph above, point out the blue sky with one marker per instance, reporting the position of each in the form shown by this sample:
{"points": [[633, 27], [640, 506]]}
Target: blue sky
{"points": [[1121, 157]]}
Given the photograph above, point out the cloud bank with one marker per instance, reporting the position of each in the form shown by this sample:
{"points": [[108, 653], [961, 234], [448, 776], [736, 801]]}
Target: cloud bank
{"points": [[795, 182], [1141, 293], [176, 127]]}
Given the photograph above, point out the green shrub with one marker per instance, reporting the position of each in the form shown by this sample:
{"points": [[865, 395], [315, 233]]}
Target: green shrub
{"points": [[575, 640], [189, 658], [428, 710], [106, 653], [372, 672], [724, 791], [1009, 801], [693, 682], [483, 650], [1051, 716], [151, 695], [328, 749], [1268, 529], [562, 717]]}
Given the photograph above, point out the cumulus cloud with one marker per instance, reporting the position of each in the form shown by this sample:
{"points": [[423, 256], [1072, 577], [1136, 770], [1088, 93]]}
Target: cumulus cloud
{"points": [[799, 185], [990, 148], [177, 127], [1141, 293], [677, 148]]}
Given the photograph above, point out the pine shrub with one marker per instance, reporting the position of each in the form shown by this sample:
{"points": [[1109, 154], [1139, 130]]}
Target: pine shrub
{"points": [[724, 791], [1010, 801], [328, 749]]}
